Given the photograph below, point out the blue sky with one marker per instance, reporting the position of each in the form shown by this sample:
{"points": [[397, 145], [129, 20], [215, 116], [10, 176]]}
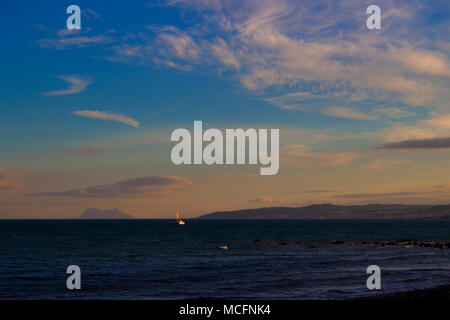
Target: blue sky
{"points": [[334, 88]]}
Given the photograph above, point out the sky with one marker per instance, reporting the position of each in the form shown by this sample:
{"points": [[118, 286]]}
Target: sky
{"points": [[87, 115]]}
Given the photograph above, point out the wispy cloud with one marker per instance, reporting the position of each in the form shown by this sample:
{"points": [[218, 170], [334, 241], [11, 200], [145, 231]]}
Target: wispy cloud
{"points": [[263, 200], [73, 42], [142, 186], [438, 126], [319, 191], [107, 116], [9, 181], [428, 194], [65, 39], [376, 195], [301, 155], [380, 163], [375, 114], [180, 45], [87, 150], [432, 143], [90, 14], [349, 113], [76, 85]]}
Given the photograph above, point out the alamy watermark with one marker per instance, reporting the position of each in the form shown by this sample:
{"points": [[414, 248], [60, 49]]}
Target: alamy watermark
{"points": [[374, 280], [74, 280], [235, 140], [73, 22], [374, 20]]}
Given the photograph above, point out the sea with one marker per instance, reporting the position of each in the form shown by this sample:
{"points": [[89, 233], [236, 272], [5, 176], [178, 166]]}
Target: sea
{"points": [[265, 259]]}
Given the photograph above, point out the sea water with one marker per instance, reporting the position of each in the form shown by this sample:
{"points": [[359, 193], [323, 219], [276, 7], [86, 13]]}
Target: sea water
{"points": [[265, 259]]}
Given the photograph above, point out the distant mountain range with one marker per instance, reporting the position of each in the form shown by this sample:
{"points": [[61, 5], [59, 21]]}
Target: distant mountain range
{"points": [[329, 211], [92, 213]]}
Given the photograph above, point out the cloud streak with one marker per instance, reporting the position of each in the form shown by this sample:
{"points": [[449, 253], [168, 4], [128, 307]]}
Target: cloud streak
{"points": [[432, 143], [87, 150], [376, 195], [9, 181], [317, 191], [76, 85], [349, 113], [376, 114], [65, 39], [107, 116], [301, 155], [137, 187], [263, 199]]}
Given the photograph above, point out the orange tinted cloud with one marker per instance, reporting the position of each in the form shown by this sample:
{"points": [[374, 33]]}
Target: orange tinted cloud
{"points": [[383, 163], [303, 156], [107, 116], [76, 85], [9, 182]]}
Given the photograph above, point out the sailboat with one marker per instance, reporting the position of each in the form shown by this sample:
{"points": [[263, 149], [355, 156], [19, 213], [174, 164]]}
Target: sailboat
{"points": [[178, 220]]}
